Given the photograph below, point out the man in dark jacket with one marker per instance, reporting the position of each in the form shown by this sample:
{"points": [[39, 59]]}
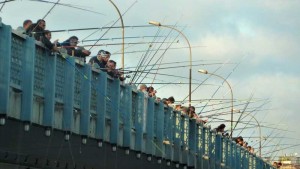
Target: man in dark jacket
{"points": [[37, 31], [72, 49], [100, 61]]}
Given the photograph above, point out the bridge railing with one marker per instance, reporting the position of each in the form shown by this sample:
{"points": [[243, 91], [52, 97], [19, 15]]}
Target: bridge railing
{"points": [[37, 87]]}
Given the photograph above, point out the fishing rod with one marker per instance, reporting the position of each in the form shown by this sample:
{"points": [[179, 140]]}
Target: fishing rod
{"points": [[266, 101], [222, 82], [37, 24], [142, 51], [222, 113], [117, 38], [163, 74], [69, 5], [295, 145], [173, 83], [115, 44], [263, 126], [202, 83], [221, 102], [148, 55], [246, 106], [157, 70], [142, 59], [181, 66], [112, 21], [123, 27], [166, 84], [168, 63], [3, 3], [241, 104], [162, 55]]}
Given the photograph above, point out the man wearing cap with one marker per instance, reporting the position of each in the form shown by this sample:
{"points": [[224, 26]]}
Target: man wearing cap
{"points": [[100, 61]]}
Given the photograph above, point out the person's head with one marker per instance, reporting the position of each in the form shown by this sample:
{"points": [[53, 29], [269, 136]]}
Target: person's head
{"points": [[41, 23], [191, 109], [221, 128], [111, 65], [184, 109], [275, 164], [240, 141], [73, 40], [249, 148], [150, 89], [158, 99], [143, 87], [178, 107], [27, 23], [103, 55], [47, 34], [170, 100]]}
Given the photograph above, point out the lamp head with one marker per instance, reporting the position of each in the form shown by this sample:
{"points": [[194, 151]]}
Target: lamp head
{"points": [[155, 23], [236, 110], [202, 71]]}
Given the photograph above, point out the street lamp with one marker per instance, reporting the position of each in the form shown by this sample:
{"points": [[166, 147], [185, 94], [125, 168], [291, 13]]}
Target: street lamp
{"points": [[190, 71], [122, 61], [231, 120]]}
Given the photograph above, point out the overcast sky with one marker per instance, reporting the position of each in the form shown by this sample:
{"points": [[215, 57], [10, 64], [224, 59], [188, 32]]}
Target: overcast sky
{"points": [[253, 43]]}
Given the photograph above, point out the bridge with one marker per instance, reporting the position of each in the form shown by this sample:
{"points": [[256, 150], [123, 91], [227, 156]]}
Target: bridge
{"points": [[58, 113]]}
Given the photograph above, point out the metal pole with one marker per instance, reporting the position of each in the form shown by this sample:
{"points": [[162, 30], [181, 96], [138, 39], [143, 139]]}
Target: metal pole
{"points": [[231, 119], [123, 32], [190, 70]]}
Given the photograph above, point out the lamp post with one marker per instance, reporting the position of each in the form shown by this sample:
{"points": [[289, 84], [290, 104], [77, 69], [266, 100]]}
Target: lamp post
{"points": [[190, 50], [231, 119], [122, 61], [260, 137]]}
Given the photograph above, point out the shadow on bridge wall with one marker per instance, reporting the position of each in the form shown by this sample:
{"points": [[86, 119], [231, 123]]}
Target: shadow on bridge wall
{"points": [[34, 149]]}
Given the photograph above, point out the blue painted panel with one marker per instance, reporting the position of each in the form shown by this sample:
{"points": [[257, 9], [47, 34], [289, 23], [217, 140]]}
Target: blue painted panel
{"points": [[234, 154], [238, 157], [159, 132], [168, 132], [5, 66], [218, 149], [17, 54], [40, 70], [192, 142], [60, 78], [109, 95], [68, 90], [94, 92], [49, 94], [149, 126], [85, 100], [123, 105], [100, 85], [27, 79], [115, 110], [134, 107], [199, 147], [127, 115], [138, 121], [78, 85], [178, 136]]}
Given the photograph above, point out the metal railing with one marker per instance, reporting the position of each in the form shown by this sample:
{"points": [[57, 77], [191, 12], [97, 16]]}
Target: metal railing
{"points": [[65, 94]]}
